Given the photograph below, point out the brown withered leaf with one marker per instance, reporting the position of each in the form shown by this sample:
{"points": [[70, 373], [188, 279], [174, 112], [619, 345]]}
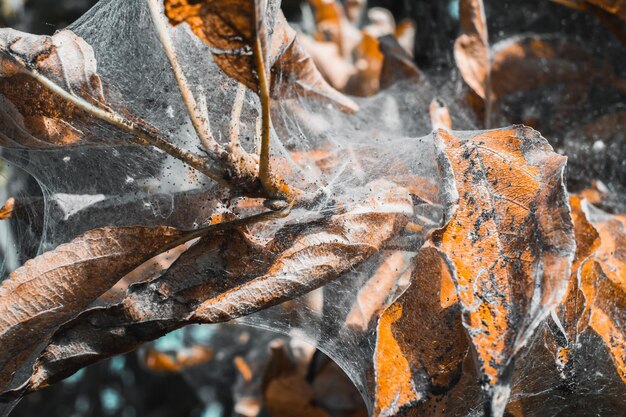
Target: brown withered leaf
{"points": [[236, 27], [223, 277], [471, 49], [405, 34], [421, 341], [606, 303], [368, 63], [309, 260], [32, 115], [286, 391], [571, 320], [603, 283], [333, 26], [510, 241], [526, 62], [328, 60], [56, 286]]}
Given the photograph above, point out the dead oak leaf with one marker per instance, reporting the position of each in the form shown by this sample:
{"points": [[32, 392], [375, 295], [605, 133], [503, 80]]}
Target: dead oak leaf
{"points": [[570, 319], [510, 241]]}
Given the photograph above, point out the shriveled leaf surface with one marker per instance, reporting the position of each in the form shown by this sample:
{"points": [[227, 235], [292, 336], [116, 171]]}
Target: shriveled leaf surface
{"points": [[54, 287], [421, 341], [233, 27], [32, 115], [510, 241]]}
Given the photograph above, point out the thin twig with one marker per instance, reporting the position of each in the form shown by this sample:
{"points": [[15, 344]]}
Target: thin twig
{"points": [[200, 124], [256, 218]]}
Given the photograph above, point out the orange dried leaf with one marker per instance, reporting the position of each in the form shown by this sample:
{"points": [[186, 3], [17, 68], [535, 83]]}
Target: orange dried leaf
{"points": [[603, 283], [571, 320], [471, 48], [606, 303], [419, 337], [512, 221], [185, 358]]}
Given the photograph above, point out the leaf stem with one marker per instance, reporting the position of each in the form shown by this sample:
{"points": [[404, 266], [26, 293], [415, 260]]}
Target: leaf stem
{"points": [[256, 218], [265, 175], [200, 124]]}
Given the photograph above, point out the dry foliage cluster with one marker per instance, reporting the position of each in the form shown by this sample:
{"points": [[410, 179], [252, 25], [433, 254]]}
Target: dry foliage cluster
{"points": [[513, 259]]}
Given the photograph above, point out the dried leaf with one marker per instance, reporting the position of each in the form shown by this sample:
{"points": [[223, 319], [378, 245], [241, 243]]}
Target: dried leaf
{"points": [[471, 48], [603, 283], [421, 341], [510, 241], [56, 286], [234, 28], [328, 60], [368, 62], [398, 65], [405, 34], [318, 256], [606, 302], [570, 320], [32, 115], [527, 62], [286, 392]]}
